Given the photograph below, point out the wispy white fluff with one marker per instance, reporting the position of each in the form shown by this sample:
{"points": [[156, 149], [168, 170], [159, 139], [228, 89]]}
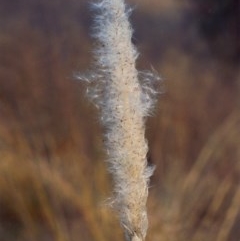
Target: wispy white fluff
{"points": [[125, 97]]}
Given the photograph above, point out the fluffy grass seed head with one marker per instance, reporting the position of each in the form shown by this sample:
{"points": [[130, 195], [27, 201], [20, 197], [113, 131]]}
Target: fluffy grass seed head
{"points": [[125, 97]]}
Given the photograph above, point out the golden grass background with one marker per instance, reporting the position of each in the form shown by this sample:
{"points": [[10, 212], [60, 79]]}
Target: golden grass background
{"points": [[53, 181]]}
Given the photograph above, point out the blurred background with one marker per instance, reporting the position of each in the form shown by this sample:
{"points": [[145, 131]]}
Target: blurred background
{"points": [[53, 179]]}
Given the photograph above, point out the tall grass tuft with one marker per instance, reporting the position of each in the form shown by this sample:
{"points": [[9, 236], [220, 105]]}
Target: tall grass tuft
{"points": [[125, 97]]}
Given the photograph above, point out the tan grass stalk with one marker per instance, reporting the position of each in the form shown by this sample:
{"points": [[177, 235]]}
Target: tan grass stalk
{"points": [[125, 97]]}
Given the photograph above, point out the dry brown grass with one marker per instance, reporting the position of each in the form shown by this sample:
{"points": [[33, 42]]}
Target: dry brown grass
{"points": [[53, 179]]}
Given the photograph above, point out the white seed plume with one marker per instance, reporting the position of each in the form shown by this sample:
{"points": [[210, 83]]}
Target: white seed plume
{"points": [[124, 97]]}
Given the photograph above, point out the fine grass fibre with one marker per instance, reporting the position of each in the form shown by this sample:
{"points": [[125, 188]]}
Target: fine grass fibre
{"points": [[125, 97]]}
